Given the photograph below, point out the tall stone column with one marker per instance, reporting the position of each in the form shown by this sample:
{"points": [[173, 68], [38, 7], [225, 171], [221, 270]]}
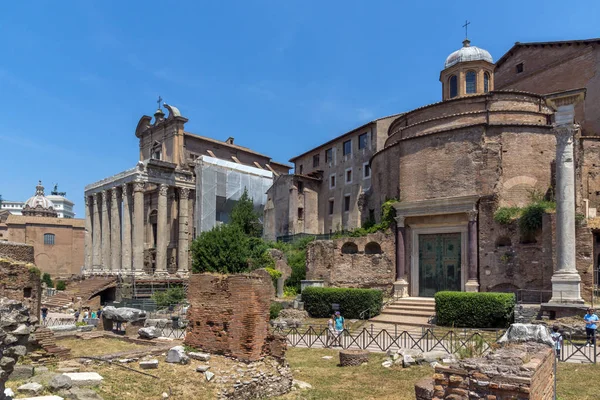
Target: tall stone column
{"points": [[162, 233], [401, 284], [138, 227], [96, 233], [183, 239], [88, 234], [115, 230], [566, 282], [472, 284], [106, 267], [126, 237]]}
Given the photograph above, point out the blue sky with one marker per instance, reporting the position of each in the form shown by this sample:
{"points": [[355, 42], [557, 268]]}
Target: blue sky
{"points": [[280, 76]]}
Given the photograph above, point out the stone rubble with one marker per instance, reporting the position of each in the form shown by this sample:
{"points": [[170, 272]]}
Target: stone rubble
{"points": [[31, 388], [177, 355], [149, 364], [150, 332], [123, 314]]}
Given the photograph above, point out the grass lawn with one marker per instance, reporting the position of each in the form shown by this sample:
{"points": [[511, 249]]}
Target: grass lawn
{"points": [[578, 381], [97, 347]]}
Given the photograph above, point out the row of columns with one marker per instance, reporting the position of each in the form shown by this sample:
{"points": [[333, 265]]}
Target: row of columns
{"points": [[115, 235]]}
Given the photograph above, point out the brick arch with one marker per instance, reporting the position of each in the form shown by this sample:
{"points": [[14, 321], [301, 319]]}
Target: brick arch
{"points": [[373, 248], [519, 180], [517, 190], [349, 248]]}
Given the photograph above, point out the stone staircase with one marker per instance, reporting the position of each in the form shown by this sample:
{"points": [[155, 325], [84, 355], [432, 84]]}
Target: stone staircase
{"points": [[84, 289], [49, 351], [409, 311]]}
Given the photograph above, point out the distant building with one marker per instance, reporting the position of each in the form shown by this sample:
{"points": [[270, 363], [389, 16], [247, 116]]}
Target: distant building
{"points": [[62, 205], [13, 207]]}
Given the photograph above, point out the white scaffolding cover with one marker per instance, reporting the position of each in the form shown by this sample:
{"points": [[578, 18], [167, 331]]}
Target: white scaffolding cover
{"points": [[220, 183]]}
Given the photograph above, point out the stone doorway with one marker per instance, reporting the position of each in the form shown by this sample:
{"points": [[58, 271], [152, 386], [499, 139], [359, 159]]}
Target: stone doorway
{"points": [[439, 263]]}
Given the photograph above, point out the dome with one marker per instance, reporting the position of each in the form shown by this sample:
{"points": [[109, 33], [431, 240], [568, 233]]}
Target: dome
{"points": [[39, 205], [468, 53]]}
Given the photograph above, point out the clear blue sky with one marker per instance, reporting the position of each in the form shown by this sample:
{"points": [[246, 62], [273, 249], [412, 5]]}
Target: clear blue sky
{"points": [[280, 76]]}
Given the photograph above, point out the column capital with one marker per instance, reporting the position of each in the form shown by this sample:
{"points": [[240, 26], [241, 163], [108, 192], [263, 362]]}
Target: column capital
{"points": [[125, 190], [95, 198], [184, 193], [104, 194], [139, 186], [163, 189], [400, 221], [472, 215]]}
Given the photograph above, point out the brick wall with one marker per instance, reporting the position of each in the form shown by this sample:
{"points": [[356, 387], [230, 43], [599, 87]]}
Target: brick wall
{"points": [[17, 282], [17, 251], [327, 260], [523, 371], [229, 314]]}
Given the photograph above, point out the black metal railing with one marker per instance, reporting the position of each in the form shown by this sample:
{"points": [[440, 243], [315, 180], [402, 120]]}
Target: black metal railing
{"points": [[57, 321]]}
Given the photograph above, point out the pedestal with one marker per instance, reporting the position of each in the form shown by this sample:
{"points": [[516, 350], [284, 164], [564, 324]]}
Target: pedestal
{"points": [[566, 288], [401, 288], [472, 286]]}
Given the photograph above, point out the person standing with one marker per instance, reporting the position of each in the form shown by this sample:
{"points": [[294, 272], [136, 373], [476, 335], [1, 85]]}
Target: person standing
{"points": [[558, 340], [330, 331], [339, 326], [44, 314], [77, 316], [591, 321]]}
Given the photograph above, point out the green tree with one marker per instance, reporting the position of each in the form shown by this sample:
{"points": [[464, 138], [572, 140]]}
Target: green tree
{"points": [[223, 249], [244, 216], [171, 296], [48, 280]]}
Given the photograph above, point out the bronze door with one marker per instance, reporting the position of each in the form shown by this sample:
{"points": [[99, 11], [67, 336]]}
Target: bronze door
{"points": [[439, 263]]}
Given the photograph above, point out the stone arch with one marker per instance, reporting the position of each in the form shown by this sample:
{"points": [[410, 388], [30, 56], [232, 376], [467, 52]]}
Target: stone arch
{"points": [[503, 241], [349, 248], [373, 248]]}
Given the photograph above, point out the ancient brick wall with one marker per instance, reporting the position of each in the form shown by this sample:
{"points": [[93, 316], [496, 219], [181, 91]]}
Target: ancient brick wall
{"points": [[17, 251], [523, 371], [229, 314], [362, 262], [19, 282]]}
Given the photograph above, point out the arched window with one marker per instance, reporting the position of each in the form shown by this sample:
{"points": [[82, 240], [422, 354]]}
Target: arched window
{"points": [[349, 248], [49, 238], [156, 152], [372, 248], [453, 86], [471, 82], [486, 82]]}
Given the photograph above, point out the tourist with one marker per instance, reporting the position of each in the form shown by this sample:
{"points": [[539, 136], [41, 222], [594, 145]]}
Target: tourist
{"points": [[93, 314], [44, 314], [339, 326], [77, 316], [330, 331], [590, 327], [558, 339], [99, 313], [86, 314]]}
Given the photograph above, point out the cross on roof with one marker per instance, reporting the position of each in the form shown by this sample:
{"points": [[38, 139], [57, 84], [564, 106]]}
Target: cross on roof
{"points": [[158, 101], [466, 26]]}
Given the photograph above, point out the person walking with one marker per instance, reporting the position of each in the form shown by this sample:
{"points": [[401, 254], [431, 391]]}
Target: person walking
{"points": [[339, 327], [558, 340], [330, 331], [44, 314], [591, 321]]}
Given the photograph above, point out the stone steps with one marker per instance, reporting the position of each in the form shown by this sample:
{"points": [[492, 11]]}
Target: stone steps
{"points": [[401, 311], [409, 311], [405, 320]]}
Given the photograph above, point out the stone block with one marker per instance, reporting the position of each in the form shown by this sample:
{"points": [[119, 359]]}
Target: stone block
{"points": [[209, 375], [85, 378], [202, 368], [60, 382], [150, 332], [149, 364], [31, 388], [199, 356], [21, 373], [519, 333], [177, 355]]}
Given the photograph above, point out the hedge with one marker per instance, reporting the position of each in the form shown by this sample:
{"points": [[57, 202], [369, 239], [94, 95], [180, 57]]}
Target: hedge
{"points": [[318, 301], [474, 310]]}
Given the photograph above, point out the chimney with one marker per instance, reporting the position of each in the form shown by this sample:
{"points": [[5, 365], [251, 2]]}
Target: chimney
{"points": [[229, 140]]}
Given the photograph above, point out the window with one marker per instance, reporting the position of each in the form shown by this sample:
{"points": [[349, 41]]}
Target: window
{"points": [[471, 82], [347, 203], [349, 175], [362, 141], [453, 86], [301, 169], [300, 213], [49, 238], [27, 292], [519, 68], [330, 207], [486, 82], [332, 181], [347, 147], [300, 187], [328, 155], [315, 160], [366, 170], [156, 151]]}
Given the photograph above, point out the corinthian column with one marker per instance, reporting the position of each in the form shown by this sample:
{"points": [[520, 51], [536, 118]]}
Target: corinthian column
{"points": [[183, 243], [566, 282], [401, 285], [162, 239], [115, 230], [88, 234], [96, 233], [105, 233], [138, 227], [126, 238]]}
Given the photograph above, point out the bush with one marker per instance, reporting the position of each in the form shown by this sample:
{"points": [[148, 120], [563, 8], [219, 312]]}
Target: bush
{"points": [[274, 310], [318, 301], [61, 285], [47, 280], [171, 296], [474, 310], [505, 215], [275, 274]]}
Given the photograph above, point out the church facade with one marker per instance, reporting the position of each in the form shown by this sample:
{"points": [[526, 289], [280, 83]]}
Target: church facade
{"points": [[450, 166]]}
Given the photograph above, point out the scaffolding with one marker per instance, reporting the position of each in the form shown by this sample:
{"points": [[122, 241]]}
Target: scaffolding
{"points": [[220, 183]]}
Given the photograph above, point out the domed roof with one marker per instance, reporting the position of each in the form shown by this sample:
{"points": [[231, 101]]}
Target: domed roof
{"points": [[468, 53], [39, 205]]}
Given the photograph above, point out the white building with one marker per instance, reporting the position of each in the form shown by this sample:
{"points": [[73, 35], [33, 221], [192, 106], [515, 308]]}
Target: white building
{"points": [[14, 207], [62, 205]]}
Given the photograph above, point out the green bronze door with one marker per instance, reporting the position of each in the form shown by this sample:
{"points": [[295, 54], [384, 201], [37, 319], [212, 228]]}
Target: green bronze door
{"points": [[439, 263]]}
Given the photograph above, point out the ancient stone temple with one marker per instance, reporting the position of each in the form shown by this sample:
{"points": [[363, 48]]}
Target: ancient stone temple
{"points": [[140, 222], [448, 167]]}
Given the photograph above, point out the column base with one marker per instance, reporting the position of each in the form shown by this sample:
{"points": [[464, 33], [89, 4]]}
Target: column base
{"points": [[401, 288], [472, 286], [566, 288]]}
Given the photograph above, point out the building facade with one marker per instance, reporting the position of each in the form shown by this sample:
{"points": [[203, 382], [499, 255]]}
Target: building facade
{"points": [[62, 205], [141, 221]]}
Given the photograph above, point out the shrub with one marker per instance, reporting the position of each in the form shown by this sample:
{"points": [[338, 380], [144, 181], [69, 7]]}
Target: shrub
{"points": [[35, 270], [474, 310], [318, 301], [47, 280], [171, 296], [505, 215], [275, 274], [61, 285], [290, 291], [274, 310]]}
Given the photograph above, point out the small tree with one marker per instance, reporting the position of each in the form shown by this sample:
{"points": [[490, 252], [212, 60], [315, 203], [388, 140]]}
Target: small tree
{"points": [[244, 216], [169, 297], [47, 280], [61, 285], [223, 249]]}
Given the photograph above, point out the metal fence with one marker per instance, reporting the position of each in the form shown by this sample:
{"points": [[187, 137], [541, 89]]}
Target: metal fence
{"points": [[462, 342], [58, 321]]}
